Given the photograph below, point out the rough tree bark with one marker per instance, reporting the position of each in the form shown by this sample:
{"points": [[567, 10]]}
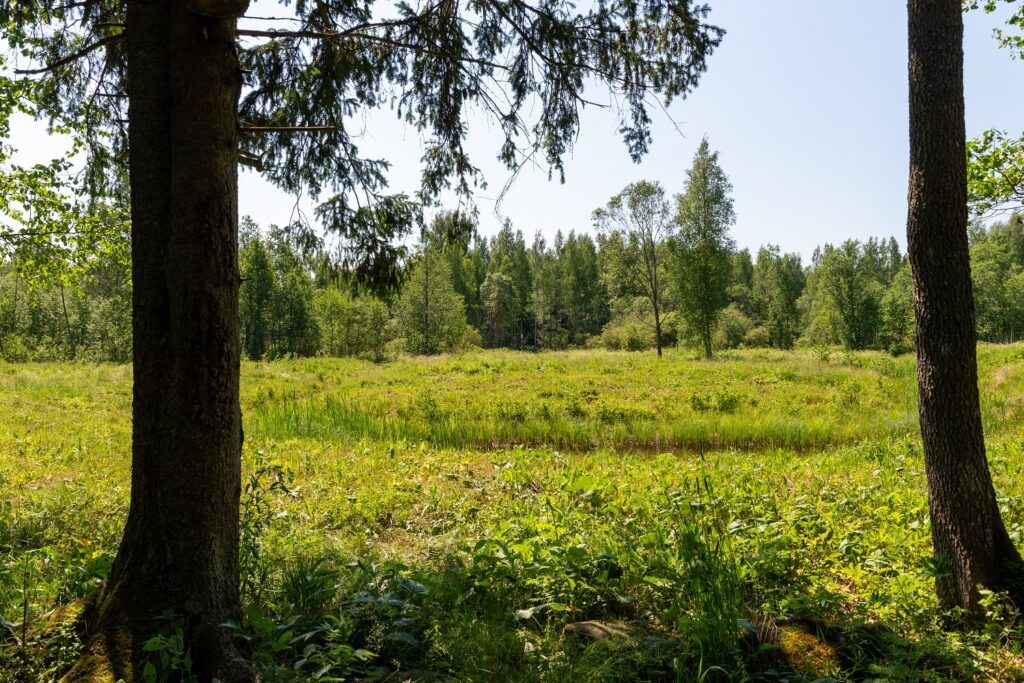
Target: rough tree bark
{"points": [[180, 546], [968, 534]]}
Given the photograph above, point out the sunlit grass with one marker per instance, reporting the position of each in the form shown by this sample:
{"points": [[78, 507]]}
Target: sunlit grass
{"points": [[584, 400], [673, 495]]}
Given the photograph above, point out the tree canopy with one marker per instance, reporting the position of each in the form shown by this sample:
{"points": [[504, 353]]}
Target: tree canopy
{"points": [[704, 212], [995, 159], [309, 71], [635, 227]]}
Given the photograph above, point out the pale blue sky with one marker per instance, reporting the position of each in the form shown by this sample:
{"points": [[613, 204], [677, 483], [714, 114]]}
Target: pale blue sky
{"points": [[805, 99]]}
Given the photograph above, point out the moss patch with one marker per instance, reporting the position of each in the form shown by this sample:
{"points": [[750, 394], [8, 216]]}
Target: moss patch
{"points": [[807, 652]]}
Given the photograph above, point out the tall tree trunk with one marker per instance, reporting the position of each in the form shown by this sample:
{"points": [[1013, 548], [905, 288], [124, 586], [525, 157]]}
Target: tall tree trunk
{"points": [[968, 534], [707, 341], [180, 546], [657, 327]]}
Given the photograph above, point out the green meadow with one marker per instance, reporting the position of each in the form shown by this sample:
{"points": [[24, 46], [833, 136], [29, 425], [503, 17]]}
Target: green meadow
{"points": [[502, 516]]}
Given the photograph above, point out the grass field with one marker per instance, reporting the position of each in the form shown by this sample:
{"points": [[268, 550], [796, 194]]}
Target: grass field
{"points": [[757, 517]]}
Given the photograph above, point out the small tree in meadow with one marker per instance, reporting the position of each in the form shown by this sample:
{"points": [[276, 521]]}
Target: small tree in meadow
{"points": [[703, 248], [635, 227], [431, 314]]}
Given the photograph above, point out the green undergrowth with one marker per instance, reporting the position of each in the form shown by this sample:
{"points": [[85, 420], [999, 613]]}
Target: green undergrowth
{"points": [[456, 554], [585, 400]]}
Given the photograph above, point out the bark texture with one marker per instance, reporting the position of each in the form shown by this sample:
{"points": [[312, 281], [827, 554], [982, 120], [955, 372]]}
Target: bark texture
{"points": [[180, 546], [970, 540]]}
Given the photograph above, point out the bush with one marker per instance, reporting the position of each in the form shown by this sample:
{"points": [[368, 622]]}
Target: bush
{"points": [[395, 348], [351, 326], [13, 349], [733, 327], [627, 335], [757, 338], [511, 410], [718, 401], [471, 339], [669, 329]]}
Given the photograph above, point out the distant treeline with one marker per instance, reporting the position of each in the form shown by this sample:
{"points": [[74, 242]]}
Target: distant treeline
{"points": [[502, 292]]}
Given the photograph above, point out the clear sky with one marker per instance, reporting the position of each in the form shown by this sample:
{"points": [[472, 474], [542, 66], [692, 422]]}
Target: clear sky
{"points": [[806, 100]]}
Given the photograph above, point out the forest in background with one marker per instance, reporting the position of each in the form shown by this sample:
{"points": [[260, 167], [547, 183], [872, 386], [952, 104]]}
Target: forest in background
{"points": [[503, 292], [657, 271]]}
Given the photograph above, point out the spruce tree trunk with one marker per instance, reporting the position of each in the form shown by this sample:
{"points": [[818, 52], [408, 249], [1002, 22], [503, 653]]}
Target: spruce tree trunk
{"points": [[180, 546], [968, 534]]}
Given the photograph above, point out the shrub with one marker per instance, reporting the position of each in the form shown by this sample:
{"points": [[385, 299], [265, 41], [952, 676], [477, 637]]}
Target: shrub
{"points": [[718, 401], [733, 327], [627, 335], [757, 338], [471, 339], [511, 410]]}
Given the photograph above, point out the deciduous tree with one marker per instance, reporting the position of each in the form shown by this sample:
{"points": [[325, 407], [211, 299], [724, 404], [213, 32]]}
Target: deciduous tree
{"points": [[972, 547], [778, 283], [635, 227], [995, 159], [703, 254], [847, 296]]}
